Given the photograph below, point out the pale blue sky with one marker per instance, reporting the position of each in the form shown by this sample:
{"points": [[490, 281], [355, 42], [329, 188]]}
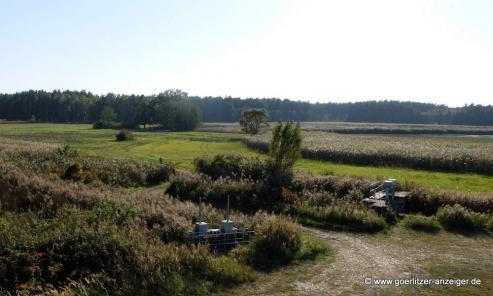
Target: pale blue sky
{"points": [[431, 51]]}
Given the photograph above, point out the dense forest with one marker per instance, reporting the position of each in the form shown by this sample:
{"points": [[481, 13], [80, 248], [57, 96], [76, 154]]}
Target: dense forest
{"points": [[82, 106]]}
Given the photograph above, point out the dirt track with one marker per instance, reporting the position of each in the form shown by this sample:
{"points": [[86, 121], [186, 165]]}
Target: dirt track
{"points": [[396, 255]]}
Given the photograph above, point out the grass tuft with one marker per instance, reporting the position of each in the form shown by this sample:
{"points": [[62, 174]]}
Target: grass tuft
{"points": [[420, 223]]}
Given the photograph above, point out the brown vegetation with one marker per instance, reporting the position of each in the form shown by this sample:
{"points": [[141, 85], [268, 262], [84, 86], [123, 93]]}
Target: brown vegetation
{"points": [[412, 152]]}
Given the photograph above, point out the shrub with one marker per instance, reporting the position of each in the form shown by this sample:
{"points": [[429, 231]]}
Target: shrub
{"points": [[255, 183], [428, 202], [341, 216], [124, 135], [189, 186], [253, 120], [99, 124], [276, 177], [337, 186], [285, 145], [420, 223], [459, 218], [243, 195], [160, 174], [74, 172], [231, 166], [276, 243]]}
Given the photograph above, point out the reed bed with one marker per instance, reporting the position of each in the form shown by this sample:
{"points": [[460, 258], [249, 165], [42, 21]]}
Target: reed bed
{"points": [[428, 153], [367, 128]]}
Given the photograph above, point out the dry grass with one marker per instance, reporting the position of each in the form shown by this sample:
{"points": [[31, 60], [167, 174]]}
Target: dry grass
{"points": [[429, 153]]}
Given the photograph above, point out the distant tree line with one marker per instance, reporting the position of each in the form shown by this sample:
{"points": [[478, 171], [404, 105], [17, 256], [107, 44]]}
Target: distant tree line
{"points": [[171, 110], [174, 109], [228, 109]]}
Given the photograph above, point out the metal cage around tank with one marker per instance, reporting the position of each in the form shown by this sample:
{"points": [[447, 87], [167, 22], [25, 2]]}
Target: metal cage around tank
{"points": [[222, 239]]}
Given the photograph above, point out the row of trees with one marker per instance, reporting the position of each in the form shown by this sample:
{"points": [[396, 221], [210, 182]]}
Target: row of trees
{"points": [[171, 107], [218, 109], [170, 110]]}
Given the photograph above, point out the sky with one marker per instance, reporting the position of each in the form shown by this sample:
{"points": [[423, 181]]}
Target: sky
{"points": [[318, 51]]}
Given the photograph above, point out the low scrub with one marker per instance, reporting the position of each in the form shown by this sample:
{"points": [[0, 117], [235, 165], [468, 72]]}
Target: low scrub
{"points": [[338, 186], [340, 217], [100, 124], [420, 223], [459, 218], [72, 237], [45, 160], [279, 242], [189, 186], [160, 174], [36, 254], [428, 202], [243, 193], [124, 135], [231, 166], [276, 243]]}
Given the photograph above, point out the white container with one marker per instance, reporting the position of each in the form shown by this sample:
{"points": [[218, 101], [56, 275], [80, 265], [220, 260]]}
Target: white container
{"points": [[201, 227], [227, 226]]}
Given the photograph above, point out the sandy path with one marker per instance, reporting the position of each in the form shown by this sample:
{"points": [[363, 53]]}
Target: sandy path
{"points": [[357, 256]]}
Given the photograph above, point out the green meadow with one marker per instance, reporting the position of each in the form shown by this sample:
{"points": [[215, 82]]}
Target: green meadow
{"points": [[180, 148]]}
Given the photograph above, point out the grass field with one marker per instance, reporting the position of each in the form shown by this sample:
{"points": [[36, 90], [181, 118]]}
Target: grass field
{"points": [[181, 148]]}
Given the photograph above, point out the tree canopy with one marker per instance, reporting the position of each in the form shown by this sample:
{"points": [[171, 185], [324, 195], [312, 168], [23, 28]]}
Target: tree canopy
{"points": [[82, 106], [253, 120], [108, 115], [285, 145]]}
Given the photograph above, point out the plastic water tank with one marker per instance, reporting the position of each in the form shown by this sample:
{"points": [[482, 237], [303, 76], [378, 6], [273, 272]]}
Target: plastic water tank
{"points": [[201, 227], [388, 184], [227, 226]]}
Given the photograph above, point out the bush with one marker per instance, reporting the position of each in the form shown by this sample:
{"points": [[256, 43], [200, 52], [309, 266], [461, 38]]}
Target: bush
{"points": [[231, 166], [124, 135], [340, 217], [459, 218], [99, 124], [420, 223], [337, 186], [160, 174], [428, 202], [276, 243], [243, 194], [189, 186], [74, 172]]}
